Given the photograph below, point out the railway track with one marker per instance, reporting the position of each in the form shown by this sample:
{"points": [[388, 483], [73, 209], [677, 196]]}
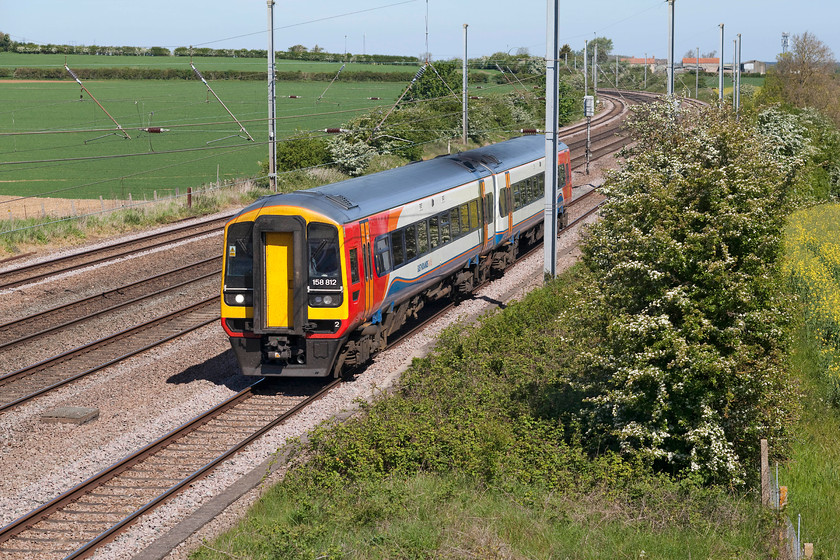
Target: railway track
{"points": [[27, 383], [30, 273], [34, 327], [94, 512]]}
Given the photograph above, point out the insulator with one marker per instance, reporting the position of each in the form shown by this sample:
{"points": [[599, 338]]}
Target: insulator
{"points": [[529, 131], [294, 97], [335, 130], [475, 97], [374, 98]]}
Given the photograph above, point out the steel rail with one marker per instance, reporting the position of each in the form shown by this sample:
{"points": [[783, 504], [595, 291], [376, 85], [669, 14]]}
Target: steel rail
{"points": [[55, 310]]}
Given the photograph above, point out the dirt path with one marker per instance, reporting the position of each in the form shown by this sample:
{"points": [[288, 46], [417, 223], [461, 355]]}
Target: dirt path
{"points": [[36, 207]]}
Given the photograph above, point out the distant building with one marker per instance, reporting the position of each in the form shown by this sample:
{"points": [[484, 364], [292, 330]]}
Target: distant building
{"points": [[754, 67], [706, 64], [638, 61]]}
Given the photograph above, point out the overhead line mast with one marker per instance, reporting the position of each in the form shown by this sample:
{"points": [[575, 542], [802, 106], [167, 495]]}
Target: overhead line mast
{"points": [[272, 103], [552, 138]]}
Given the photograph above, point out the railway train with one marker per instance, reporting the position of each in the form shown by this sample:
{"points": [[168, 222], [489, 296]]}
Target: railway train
{"points": [[315, 281]]}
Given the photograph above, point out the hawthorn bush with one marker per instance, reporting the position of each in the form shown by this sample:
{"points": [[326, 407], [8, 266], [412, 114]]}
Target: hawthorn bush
{"points": [[688, 373]]}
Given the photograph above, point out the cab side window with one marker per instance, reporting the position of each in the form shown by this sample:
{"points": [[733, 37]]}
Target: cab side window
{"points": [[354, 266]]}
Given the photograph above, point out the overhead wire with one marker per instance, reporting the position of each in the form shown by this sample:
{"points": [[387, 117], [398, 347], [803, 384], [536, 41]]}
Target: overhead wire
{"points": [[326, 18]]}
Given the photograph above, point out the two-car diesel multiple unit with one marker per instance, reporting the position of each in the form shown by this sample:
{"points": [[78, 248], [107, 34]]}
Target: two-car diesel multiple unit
{"points": [[315, 280]]}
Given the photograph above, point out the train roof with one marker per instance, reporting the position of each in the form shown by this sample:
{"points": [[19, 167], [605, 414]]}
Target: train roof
{"points": [[353, 199]]}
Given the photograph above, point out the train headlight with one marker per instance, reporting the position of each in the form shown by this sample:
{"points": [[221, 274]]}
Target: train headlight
{"points": [[241, 299], [325, 300]]}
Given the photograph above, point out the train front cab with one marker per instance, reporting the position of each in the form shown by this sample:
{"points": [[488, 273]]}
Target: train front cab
{"points": [[283, 297]]}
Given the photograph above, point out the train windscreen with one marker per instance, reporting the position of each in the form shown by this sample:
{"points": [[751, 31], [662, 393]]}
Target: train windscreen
{"points": [[324, 257], [240, 256]]}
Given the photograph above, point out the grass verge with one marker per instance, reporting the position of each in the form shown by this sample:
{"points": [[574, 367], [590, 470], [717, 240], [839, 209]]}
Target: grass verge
{"points": [[813, 473]]}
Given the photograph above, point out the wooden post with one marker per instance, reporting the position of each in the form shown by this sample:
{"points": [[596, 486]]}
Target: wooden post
{"points": [[765, 474], [189, 197]]}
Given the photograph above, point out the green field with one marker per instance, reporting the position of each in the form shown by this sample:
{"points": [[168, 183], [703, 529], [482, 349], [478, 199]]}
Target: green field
{"points": [[17, 60], [76, 152]]}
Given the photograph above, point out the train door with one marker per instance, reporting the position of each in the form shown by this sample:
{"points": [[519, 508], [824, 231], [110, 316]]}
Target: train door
{"points": [[504, 221], [488, 210], [367, 266], [279, 279]]}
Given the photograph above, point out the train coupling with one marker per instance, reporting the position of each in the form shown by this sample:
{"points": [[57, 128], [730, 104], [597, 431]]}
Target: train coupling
{"points": [[282, 348]]}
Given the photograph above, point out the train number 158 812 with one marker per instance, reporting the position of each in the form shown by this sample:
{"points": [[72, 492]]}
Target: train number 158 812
{"points": [[324, 282]]}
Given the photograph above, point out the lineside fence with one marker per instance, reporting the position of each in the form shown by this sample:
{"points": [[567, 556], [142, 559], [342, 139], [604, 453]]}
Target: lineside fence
{"points": [[47, 212], [775, 496]]}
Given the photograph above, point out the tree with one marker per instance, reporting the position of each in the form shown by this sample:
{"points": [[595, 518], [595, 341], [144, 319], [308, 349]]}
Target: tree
{"points": [[805, 77], [566, 51], [5, 42], [439, 80], [605, 47], [298, 49]]}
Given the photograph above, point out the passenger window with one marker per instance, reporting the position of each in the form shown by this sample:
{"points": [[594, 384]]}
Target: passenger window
{"points": [[433, 232], [382, 255], [410, 243], [455, 223], [397, 247], [354, 266], [517, 201], [464, 211], [474, 215], [422, 238], [488, 208], [445, 237], [502, 205]]}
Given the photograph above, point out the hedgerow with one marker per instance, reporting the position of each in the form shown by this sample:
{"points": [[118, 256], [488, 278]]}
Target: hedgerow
{"points": [[689, 372]]}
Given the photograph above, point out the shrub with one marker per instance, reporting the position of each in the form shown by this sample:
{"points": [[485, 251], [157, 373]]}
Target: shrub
{"points": [[689, 371]]}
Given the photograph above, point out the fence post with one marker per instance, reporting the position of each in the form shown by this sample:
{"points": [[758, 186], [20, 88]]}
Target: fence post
{"points": [[765, 474], [189, 197]]}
